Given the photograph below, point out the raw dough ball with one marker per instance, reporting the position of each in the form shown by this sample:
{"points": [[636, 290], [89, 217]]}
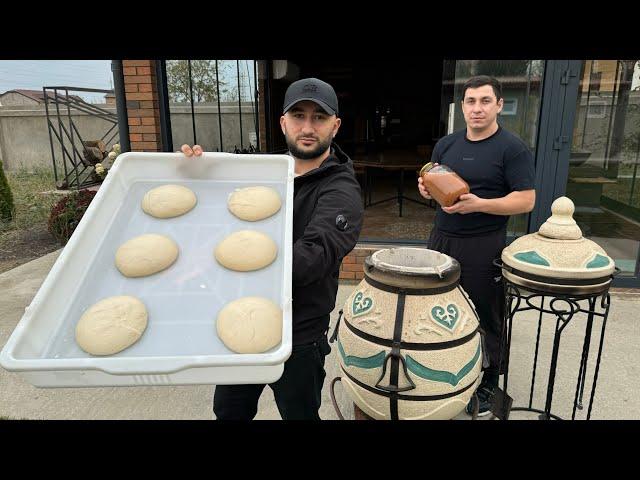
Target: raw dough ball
{"points": [[111, 325], [246, 250], [146, 255], [250, 325], [168, 201], [254, 203]]}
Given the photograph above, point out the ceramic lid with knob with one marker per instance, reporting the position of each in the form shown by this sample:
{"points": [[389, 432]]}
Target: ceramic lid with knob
{"points": [[558, 252]]}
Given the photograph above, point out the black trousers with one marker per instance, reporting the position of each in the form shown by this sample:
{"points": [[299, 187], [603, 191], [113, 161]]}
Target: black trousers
{"points": [[298, 393], [481, 280]]}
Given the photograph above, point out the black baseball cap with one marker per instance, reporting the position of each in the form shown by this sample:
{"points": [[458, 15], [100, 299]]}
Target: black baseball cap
{"points": [[314, 90]]}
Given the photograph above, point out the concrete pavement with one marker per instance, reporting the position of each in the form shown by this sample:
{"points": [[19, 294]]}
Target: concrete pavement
{"points": [[616, 396]]}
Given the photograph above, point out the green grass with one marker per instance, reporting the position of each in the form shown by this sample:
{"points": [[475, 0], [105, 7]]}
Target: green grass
{"points": [[31, 208]]}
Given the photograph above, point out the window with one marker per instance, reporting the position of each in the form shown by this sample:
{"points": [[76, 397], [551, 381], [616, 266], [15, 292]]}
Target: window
{"points": [[213, 103], [510, 106], [597, 109]]}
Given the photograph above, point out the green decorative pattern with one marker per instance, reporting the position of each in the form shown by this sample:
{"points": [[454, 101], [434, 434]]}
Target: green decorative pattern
{"points": [[374, 361], [361, 304], [531, 257], [440, 375], [413, 366], [598, 261], [447, 318]]}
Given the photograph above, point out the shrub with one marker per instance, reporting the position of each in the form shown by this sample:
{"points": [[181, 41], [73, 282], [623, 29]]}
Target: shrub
{"points": [[7, 207], [67, 213]]}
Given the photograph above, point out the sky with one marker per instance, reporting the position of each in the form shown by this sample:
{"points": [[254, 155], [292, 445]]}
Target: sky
{"points": [[35, 74]]}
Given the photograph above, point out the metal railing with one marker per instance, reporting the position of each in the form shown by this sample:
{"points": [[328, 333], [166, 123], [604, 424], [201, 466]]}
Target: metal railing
{"points": [[77, 171]]}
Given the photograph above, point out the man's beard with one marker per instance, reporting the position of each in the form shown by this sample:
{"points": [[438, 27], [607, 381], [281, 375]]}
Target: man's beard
{"points": [[308, 154]]}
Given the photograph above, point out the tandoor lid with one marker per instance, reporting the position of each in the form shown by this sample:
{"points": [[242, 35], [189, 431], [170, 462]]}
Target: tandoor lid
{"points": [[558, 250]]}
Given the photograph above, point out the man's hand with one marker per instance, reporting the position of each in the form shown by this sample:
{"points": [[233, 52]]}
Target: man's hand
{"points": [[422, 189], [189, 152], [468, 203]]}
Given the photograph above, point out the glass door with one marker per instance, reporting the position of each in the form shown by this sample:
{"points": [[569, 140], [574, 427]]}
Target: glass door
{"points": [[603, 179]]}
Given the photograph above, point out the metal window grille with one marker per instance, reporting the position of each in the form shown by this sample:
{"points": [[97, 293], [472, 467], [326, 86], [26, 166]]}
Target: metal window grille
{"points": [[185, 87]]}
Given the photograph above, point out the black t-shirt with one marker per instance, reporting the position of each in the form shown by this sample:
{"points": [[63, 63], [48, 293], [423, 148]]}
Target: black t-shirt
{"points": [[493, 167]]}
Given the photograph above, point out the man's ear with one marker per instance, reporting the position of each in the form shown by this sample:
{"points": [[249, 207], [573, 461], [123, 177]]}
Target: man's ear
{"points": [[500, 104], [282, 124], [336, 126]]}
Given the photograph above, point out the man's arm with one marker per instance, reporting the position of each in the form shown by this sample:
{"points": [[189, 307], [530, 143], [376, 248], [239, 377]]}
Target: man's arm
{"points": [[323, 245], [519, 175], [512, 204]]}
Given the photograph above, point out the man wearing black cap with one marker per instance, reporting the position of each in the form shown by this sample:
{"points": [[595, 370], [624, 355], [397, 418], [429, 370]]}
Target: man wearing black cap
{"points": [[327, 218]]}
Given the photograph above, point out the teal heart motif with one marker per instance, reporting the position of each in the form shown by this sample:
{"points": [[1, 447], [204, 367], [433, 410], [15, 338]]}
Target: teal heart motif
{"points": [[361, 304], [447, 318]]}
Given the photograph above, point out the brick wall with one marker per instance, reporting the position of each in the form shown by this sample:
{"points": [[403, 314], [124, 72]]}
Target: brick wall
{"points": [[143, 107], [352, 264]]}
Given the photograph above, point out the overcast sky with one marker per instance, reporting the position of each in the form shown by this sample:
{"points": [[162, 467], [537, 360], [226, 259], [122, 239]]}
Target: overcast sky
{"points": [[35, 74]]}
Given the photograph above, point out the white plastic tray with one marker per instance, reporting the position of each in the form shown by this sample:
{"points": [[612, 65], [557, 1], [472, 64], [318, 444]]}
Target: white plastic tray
{"points": [[180, 344]]}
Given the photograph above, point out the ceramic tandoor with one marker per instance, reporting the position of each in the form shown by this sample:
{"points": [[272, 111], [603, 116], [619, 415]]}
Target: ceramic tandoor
{"points": [[558, 258], [408, 340]]}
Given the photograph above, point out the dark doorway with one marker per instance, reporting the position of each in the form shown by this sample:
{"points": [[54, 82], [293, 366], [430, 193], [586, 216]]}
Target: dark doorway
{"points": [[390, 112]]}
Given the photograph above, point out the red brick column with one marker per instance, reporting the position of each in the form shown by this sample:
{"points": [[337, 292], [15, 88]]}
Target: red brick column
{"points": [[143, 107], [352, 267]]}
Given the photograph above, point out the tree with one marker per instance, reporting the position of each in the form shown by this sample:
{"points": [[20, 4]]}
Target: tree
{"points": [[499, 68], [203, 79]]}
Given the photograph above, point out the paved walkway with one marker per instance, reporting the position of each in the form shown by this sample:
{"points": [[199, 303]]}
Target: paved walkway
{"points": [[616, 396]]}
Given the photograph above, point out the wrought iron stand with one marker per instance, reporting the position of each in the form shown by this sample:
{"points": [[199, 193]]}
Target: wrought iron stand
{"points": [[564, 307], [360, 415], [77, 169]]}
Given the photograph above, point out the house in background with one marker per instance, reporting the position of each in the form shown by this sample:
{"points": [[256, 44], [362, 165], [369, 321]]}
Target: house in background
{"points": [[20, 97]]}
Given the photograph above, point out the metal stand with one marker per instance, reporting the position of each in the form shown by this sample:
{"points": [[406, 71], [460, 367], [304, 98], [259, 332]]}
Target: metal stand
{"points": [[399, 197], [564, 307], [358, 414]]}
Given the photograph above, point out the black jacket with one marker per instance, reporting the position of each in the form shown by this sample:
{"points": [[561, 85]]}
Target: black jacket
{"points": [[327, 219]]}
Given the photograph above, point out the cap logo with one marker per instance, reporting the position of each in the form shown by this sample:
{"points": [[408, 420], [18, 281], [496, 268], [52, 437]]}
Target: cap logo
{"points": [[309, 87]]}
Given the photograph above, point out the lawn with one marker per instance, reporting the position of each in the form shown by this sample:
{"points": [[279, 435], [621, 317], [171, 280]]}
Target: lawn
{"points": [[26, 237]]}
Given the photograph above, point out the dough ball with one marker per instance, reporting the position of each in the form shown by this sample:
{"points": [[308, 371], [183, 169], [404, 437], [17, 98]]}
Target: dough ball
{"points": [[250, 325], [111, 325], [146, 255], [246, 250], [254, 203], [168, 201]]}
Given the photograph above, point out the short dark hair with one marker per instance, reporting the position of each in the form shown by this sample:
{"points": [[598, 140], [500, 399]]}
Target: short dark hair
{"points": [[480, 81]]}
